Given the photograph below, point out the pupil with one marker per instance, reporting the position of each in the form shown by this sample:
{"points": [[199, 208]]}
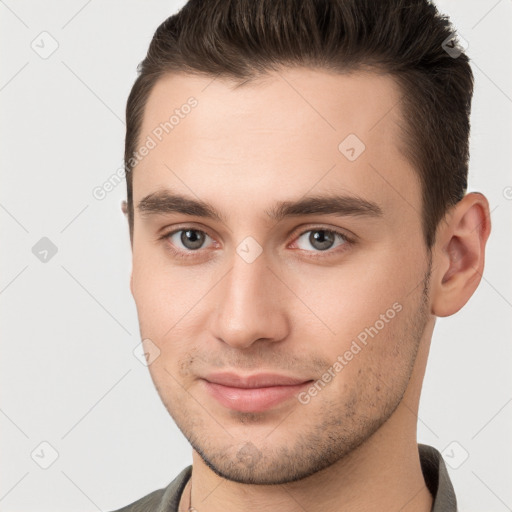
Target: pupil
{"points": [[320, 241], [192, 239]]}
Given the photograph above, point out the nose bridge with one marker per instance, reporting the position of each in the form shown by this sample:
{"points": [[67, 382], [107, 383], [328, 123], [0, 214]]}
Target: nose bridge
{"points": [[248, 306]]}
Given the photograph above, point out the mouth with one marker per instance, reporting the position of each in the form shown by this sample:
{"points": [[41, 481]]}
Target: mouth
{"points": [[254, 393]]}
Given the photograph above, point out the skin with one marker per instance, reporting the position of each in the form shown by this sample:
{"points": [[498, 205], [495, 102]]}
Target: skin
{"points": [[352, 446]]}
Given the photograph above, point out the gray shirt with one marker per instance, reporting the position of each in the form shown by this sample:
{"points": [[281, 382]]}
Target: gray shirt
{"points": [[432, 464]]}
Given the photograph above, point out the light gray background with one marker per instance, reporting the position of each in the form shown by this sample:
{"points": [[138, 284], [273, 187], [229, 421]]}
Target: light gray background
{"points": [[69, 326]]}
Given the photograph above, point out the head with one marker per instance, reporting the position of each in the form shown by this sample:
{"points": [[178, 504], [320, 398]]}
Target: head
{"points": [[299, 208]]}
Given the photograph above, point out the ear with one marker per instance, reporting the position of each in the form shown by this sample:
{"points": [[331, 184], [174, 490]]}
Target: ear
{"points": [[459, 254], [124, 208]]}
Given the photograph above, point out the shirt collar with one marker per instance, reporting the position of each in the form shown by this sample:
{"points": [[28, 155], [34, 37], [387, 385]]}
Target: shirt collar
{"points": [[437, 479]]}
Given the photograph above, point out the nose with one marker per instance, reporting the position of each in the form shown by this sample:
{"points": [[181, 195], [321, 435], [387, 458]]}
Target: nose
{"points": [[250, 305]]}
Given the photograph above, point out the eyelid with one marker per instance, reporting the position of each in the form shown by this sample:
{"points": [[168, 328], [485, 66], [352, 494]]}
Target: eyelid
{"points": [[345, 233], [164, 232], [349, 241]]}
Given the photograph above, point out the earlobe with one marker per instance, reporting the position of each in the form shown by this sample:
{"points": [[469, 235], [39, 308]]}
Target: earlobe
{"points": [[460, 254], [124, 207]]}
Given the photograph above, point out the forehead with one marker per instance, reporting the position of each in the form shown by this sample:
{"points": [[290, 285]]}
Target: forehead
{"points": [[285, 134]]}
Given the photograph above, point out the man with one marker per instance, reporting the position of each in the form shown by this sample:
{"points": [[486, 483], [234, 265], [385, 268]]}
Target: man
{"points": [[299, 218]]}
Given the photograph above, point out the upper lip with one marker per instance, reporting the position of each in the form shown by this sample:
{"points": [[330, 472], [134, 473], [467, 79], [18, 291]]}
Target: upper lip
{"points": [[259, 380]]}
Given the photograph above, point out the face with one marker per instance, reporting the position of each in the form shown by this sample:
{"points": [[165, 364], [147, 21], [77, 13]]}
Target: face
{"points": [[277, 230]]}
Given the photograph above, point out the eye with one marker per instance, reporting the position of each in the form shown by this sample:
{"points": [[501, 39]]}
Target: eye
{"points": [[189, 242], [187, 239], [320, 239]]}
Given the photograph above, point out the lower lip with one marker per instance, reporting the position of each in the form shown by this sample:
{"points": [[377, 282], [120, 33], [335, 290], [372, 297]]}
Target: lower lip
{"points": [[252, 399]]}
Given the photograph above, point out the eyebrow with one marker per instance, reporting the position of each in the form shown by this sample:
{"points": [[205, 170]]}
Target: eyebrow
{"points": [[164, 202]]}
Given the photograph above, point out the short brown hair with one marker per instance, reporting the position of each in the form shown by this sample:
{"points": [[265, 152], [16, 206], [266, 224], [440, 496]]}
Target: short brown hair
{"points": [[244, 39]]}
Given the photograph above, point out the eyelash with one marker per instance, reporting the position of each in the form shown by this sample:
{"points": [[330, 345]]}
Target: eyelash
{"points": [[347, 241]]}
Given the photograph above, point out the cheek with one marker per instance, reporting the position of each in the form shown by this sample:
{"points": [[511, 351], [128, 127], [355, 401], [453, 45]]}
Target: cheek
{"points": [[364, 327], [158, 292], [369, 372], [172, 303], [349, 298]]}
